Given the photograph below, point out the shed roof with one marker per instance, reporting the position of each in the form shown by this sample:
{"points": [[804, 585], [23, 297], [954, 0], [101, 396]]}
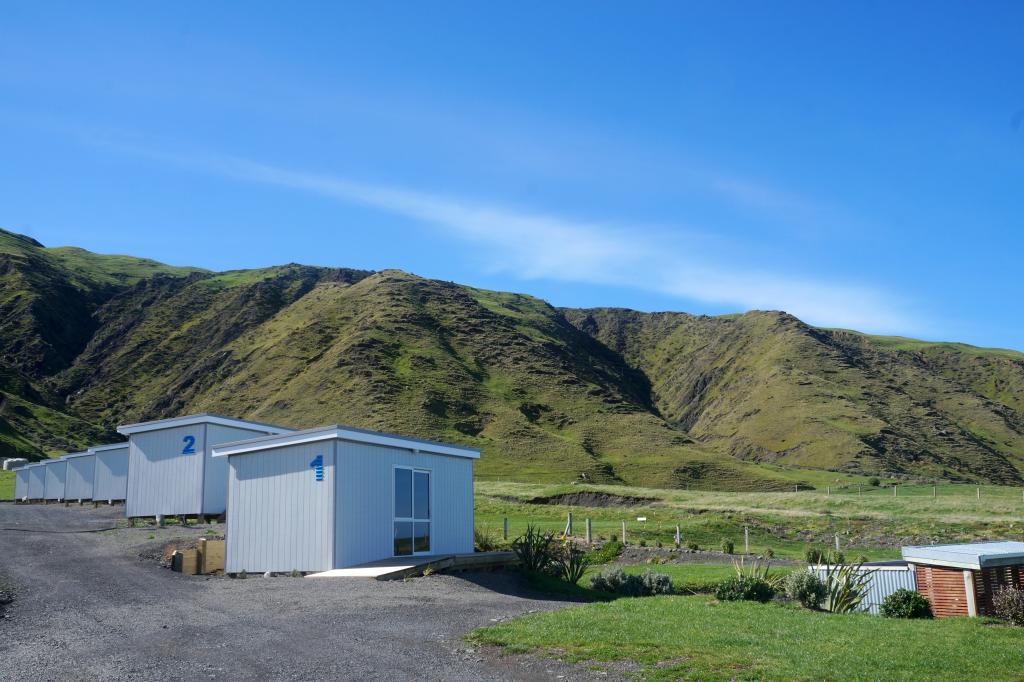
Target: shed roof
{"points": [[339, 432], [974, 555], [76, 454], [106, 448], [201, 418]]}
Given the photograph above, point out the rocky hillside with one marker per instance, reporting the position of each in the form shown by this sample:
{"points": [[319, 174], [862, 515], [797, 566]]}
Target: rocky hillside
{"points": [[741, 402]]}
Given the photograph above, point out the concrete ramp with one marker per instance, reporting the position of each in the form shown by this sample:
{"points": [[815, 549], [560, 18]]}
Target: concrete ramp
{"points": [[397, 568]]}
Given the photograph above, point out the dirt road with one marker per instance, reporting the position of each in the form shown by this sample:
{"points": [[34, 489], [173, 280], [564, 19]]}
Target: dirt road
{"points": [[87, 606]]}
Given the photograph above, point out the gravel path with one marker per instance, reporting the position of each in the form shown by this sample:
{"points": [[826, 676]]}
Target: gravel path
{"points": [[88, 606]]}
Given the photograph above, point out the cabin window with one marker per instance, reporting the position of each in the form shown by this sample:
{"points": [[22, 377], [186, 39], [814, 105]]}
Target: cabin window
{"points": [[412, 511]]}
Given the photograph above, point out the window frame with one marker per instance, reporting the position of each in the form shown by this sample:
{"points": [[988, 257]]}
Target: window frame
{"points": [[413, 519]]}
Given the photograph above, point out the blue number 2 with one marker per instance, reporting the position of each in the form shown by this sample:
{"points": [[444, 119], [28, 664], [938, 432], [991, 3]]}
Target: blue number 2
{"points": [[190, 445], [317, 465]]}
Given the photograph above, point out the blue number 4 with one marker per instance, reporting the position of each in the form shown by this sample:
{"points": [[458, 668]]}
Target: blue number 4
{"points": [[317, 465], [190, 445]]}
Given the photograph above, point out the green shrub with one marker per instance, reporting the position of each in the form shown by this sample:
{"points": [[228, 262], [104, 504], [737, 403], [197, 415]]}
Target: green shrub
{"points": [[806, 588], [484, 540], [621, 583], [534, 549], [727, 546], [571, 563], [643, 543], [904, 603], [814, 556], [769, 553], [1008, 604], [693, 545], [606, 552], [744, 588], [847, 585], [874, 482]]}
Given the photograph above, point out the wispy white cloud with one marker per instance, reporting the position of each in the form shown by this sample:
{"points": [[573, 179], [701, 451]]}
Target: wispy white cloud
{"points": [[534, 245]]}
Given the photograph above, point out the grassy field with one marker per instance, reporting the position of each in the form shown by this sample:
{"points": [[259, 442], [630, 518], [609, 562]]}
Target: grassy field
{"points": [[869, 521], [6, 485], [696, 637]]}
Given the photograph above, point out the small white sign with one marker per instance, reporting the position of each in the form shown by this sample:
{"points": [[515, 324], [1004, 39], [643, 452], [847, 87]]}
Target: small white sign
{"points": [[641, 518]]}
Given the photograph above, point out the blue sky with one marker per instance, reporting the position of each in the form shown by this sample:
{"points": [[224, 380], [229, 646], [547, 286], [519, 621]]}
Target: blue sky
{"points": [[857, 164]]}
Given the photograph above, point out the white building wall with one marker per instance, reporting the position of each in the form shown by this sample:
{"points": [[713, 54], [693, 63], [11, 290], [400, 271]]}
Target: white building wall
{"points": [[364, 511], [111, 477], [21, 483], [56, 473], [279, 516], [161, 479], [80, 475], [37, 482], [215, 477]]}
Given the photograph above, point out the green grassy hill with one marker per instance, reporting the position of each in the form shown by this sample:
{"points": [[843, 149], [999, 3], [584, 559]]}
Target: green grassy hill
{"points": [[758, 401], [765, 387]]}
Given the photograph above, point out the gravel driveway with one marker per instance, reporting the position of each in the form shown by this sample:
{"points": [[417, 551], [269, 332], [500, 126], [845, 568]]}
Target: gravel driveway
{"points": [[87, 606]]}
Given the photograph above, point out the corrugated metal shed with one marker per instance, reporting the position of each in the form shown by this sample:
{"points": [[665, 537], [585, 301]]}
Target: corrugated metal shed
{"points": [[886, 578], [56, 474], [78, 484], [326, 498], [36, 480], [170, 470], [21, 483], [111, 478]]}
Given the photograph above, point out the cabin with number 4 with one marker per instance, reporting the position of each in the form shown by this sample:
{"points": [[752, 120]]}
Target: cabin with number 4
{"points": [[170, 468], [336, 497]]}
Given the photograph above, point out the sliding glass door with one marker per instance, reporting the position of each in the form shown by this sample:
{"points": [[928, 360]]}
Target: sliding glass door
{"points": [[412, 511]]}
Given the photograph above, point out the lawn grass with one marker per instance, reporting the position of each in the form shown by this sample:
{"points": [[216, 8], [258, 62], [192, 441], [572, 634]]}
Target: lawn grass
{"points": [[696, 637], [686, 578]]}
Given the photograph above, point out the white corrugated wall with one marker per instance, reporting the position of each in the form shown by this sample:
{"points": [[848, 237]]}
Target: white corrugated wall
{"points": [[111, 478], [80, 476], [37, 482], [364, 511], [161, 479], [279, 516], [215, 477], [884, 581], [56, 472], [21, 483]]}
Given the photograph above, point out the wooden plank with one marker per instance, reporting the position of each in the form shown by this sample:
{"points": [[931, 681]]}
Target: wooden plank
{"points": [[185, 561]]}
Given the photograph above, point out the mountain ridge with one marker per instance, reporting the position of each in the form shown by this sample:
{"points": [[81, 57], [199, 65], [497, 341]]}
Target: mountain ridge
{"points": [[743, 401]]}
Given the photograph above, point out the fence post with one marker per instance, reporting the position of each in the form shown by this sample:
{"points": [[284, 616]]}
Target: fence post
{"points": [[568, 525], [894, 491], [828, 491], [837, 541], [590, 533], [623, 532], [933, 492], [504, 530], [796, 488], [860, 490], [679, 538], [746, 539], [979, 492]]}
